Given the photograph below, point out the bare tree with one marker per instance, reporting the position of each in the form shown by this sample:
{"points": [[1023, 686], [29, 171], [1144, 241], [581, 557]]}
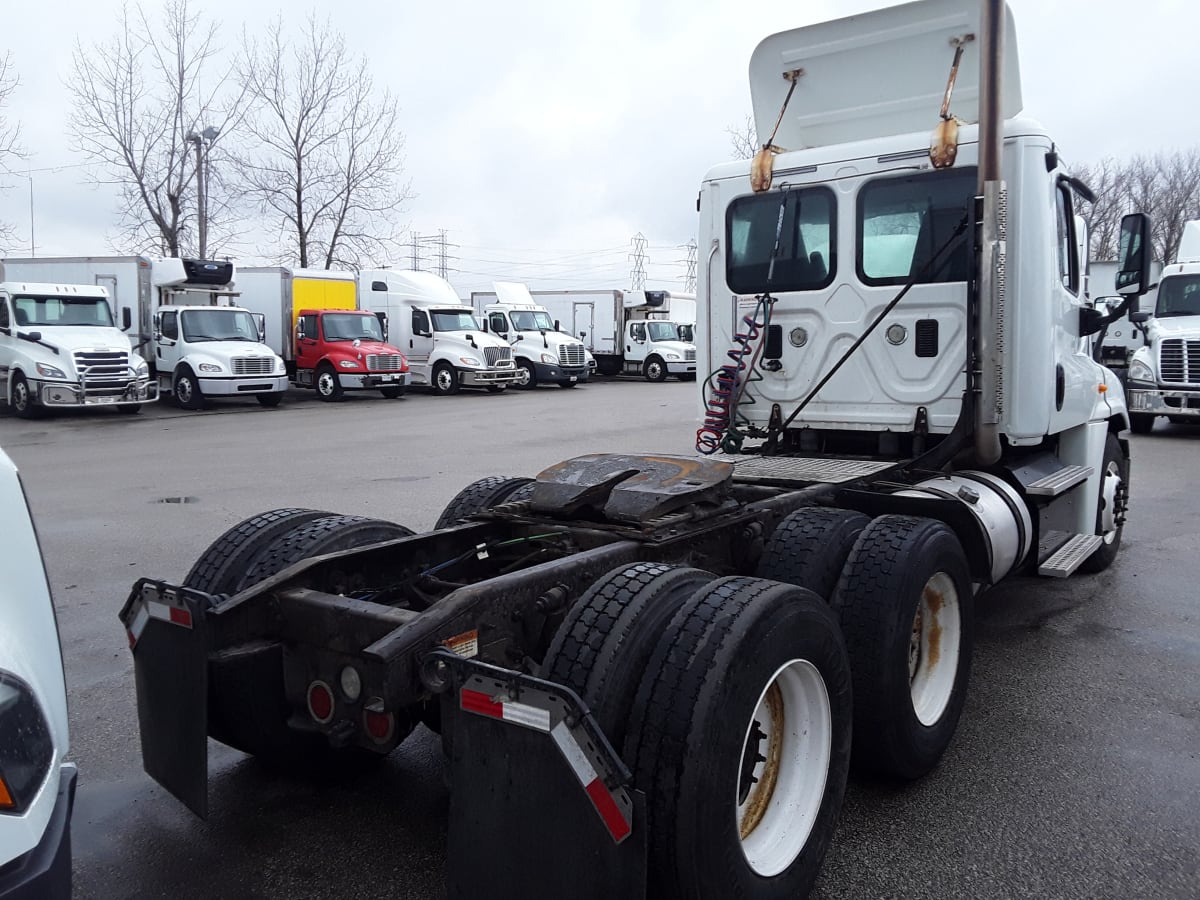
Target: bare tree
{"points": [[324, 152], [1107, 179], [139, 103], [10, 134], [744, 138]]}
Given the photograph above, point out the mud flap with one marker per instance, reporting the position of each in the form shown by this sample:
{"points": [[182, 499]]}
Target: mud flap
{"points": [[166, 630], [535, 811]]}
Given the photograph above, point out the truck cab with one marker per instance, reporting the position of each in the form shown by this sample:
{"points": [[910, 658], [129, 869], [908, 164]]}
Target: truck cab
{"points": [[1164, 373], [544, 354], [657, 348], [445, 346], [59, 348], [340, 350]]}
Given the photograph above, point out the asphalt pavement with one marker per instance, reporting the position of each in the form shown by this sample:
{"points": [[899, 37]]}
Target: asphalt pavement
{"points": [[1075, 771]]}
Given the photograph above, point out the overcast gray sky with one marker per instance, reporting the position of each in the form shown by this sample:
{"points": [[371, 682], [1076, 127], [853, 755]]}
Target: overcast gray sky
{"points": [[543, 135]]}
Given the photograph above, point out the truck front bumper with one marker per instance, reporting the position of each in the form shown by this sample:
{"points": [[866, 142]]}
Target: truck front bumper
{"points": [[243, 384], [1156, 401], [372, 380], [60, 394], [44, 873], [552, 372], [681, 367], [487, 377]]}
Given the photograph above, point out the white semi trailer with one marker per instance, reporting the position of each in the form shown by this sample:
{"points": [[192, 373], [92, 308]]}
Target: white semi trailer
{"points": [[658, 670]]}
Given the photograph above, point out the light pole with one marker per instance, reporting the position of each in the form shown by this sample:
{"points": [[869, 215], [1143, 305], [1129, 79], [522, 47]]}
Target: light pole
{"points": [[203, 142]]}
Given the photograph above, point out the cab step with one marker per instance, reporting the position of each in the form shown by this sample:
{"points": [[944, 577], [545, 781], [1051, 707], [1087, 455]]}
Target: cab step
{"points": [[788, 470], [1059, 482], [1070, 556]]}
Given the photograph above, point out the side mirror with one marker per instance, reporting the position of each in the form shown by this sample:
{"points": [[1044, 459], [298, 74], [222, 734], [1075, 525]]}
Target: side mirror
{"points": [[126, 318], [1090, 321], [557, 326], [1133, 255], [1138, 317]]}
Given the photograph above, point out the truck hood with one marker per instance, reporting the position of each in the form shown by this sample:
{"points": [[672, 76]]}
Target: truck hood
{"points": [[675, 346], [226, 350], [1174, 327], [555, 339], [69, 338], [364, 347], [481, 339]]}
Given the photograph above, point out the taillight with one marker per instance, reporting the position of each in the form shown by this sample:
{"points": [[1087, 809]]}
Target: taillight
{"points": [[320, 701], [379, 726], [26, 745]]}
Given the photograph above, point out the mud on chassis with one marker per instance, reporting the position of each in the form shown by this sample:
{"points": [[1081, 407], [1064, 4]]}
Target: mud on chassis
{"points": [[634, 662]]}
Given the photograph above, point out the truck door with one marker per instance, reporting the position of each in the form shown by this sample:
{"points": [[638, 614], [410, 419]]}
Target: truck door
{"points": [[582, 325], [306, 347], [635, 342], [498, 323], [421, 344], [6, 345], [166, 340]]}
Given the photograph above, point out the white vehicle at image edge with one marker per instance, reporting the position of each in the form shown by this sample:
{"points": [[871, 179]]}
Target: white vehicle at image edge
{"points": [[59, 347], [37, 788], [1164, 375]]}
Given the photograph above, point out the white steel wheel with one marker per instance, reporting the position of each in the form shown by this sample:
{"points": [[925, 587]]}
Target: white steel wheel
{"points": [[933, 648], [1110, 492], [785, 762]]}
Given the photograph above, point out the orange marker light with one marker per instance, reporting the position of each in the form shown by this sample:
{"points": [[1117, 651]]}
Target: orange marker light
{"points": [[6, 799], [1104, 388]]}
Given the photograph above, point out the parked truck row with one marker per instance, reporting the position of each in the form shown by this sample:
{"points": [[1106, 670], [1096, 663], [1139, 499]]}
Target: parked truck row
{"points": [[659, 670]]}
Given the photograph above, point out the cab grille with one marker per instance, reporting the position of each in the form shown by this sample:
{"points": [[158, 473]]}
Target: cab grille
{"points": [[253, 365], [570, 355], [1179, 361], [498, 356], [384, 362]]}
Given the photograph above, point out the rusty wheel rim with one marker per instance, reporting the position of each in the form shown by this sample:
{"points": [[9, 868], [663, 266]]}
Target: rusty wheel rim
{"points": [[933, 648]]}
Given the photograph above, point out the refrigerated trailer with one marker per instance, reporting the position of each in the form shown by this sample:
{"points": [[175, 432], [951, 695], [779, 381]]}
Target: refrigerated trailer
{"points": [[659, 670]]}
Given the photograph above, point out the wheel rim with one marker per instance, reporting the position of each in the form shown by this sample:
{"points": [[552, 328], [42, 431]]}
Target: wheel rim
{"points": [[524, 376], [654, 370], [183, 389], [933, 648], [1110, 493], [444, 380], [785, 762], [325, 384], [20, 392]]}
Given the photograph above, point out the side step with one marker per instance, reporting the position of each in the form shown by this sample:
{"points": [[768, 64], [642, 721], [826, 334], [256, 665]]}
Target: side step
{"points": [[1059, 482], [787, 470], [1070, 556]]}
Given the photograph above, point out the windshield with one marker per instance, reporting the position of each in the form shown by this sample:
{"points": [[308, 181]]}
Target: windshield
{"points": [[1178, 295], [347, 327], [48, 310], [531, 321], [218, 325], [453, 320], [663, 331]]}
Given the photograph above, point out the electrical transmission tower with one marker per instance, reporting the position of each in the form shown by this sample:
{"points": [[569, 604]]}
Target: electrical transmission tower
{"points": [[431, 252], [637, 276], [689, 280]]}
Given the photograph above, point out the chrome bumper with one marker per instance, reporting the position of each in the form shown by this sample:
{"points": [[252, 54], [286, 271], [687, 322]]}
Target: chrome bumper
{"points": [[1163, 401]]}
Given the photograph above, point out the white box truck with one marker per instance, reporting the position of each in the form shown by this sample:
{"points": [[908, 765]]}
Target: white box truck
{"points": [[445, 346], [627, 331], [197, 343], [544, 354]]}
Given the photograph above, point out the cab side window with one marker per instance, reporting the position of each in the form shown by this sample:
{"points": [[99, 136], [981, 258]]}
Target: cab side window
{"points": [[4, 321], [170, 325], [420, 322], [1068, 264], [498, 323], [306, 327]]}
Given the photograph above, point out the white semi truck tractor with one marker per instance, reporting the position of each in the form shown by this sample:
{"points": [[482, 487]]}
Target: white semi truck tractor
{"points": [[659, 670]]}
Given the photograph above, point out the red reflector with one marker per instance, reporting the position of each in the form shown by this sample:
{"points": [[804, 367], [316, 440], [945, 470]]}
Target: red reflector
{"points": [[320, 701], [379, 725], [181, 616], [608, 809], [474, 701]]}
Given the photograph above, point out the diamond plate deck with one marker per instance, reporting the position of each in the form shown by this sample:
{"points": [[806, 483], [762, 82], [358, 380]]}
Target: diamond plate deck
{"points": [[802, 470]]}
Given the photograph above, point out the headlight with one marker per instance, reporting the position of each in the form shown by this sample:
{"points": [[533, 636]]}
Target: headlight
{"points": [[348, 364], [280, 365], [26, 747], [140, 367], [209, 367], [670, 356], [547, 358], [468, 360], [50, 371], [1139, 371]]}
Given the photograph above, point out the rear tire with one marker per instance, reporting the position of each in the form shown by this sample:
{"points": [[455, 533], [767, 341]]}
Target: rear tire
{"points": [[740, 737], [602, 647], [220, 567], [392, 393], [478, 496], [906, 608], [271, 400], [130, 409], [568, 384], [809, 547]]}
